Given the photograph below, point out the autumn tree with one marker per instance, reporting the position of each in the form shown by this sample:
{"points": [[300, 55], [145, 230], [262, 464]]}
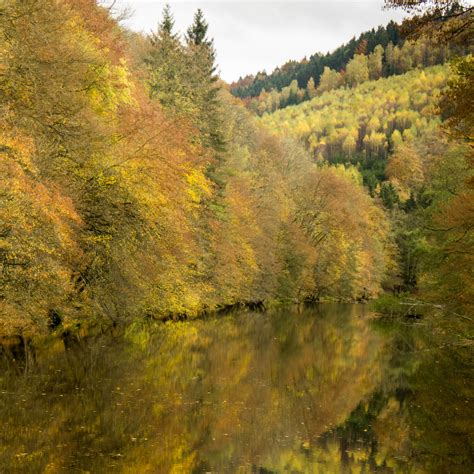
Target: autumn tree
{"points": [[451, 22], [329, 80], [120, 202], [311, 88], [357, 70], [457, 102], [447, 20], [375, 61]]}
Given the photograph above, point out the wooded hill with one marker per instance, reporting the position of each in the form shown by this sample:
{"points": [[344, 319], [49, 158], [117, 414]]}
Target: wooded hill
{"points": [[363, 125], [348, 66], [302, 71], [391, 131], [133, 185]]}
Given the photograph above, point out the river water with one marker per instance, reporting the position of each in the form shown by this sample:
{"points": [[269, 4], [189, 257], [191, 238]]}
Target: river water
{"points": [[323, 389]]}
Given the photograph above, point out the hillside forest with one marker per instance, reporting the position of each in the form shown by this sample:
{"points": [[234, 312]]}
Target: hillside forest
{"points": [[377, 53], [134, 184]]}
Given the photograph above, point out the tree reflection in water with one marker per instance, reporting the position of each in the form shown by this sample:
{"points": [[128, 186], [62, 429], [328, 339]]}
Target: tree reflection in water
{"points": [[319, 389]]}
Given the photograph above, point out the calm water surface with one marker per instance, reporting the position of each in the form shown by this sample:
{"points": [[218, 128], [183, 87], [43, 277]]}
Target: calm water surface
{"points": [[294, 390]]}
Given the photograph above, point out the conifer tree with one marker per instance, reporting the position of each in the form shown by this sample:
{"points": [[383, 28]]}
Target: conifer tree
{"points": [[167, 67], [166, 26], [201, 57], [197, 32]]}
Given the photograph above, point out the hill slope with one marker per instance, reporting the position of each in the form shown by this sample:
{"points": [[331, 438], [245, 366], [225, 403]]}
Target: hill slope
{"points": [[301, 71], [363, 124]]}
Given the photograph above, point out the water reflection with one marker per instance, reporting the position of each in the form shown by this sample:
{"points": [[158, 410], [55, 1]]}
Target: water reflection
{"points": [[314, 390]]}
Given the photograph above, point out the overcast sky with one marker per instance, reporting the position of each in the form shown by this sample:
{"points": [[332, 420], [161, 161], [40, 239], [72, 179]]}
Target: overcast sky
{"points": [[250, 36]]}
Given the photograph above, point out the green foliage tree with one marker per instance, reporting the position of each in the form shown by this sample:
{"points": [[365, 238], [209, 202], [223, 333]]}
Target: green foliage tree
{"points": [[389, 195]]}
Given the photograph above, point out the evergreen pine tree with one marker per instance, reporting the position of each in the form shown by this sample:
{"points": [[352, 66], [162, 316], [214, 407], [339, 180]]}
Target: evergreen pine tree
{"points": [[197, 32], [203, 80], [165, 29], [167, 67]]}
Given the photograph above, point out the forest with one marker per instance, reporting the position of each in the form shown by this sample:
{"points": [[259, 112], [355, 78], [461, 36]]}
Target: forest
{"points": [[302, 71], [132, 188], [364, 125], [269, 276], [375, 54], [390, 131], [134, 185]]}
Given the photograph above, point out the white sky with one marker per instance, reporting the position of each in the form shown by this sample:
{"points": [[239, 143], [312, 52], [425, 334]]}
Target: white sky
{"points": [[251, 36]]}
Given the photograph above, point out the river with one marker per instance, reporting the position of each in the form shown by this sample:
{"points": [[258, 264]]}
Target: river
{"points": [[302, 390]]}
